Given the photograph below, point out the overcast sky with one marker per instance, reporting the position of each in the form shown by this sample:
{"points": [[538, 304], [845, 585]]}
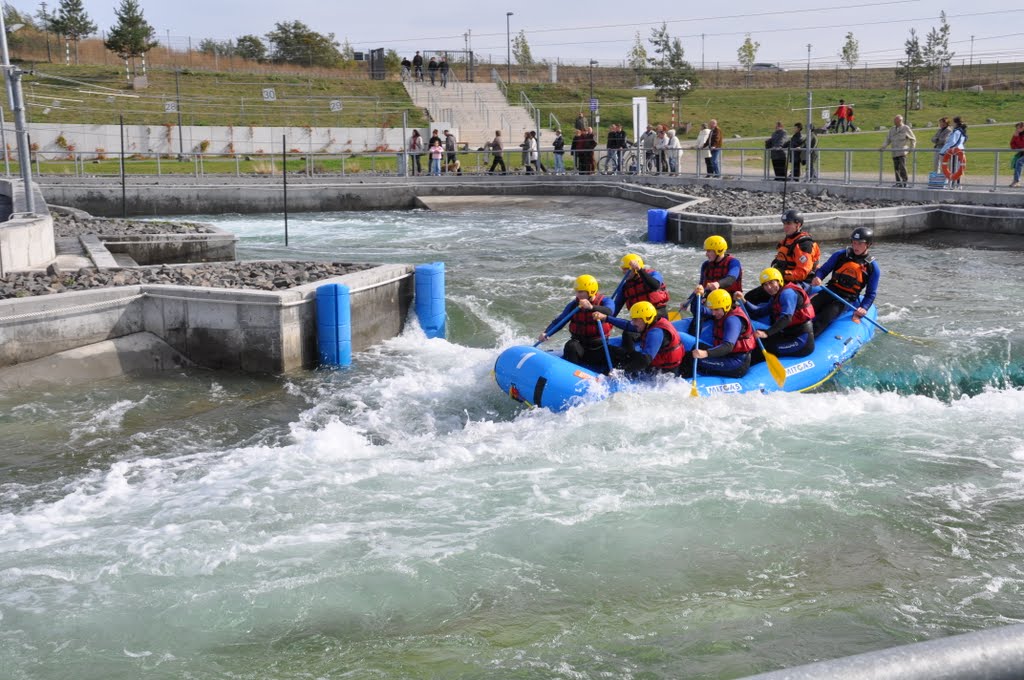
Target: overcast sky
{"points": [[576, 32]]}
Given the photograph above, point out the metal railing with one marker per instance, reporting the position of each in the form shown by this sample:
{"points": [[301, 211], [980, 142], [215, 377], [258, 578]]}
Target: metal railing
{"points": [[987, 169]]}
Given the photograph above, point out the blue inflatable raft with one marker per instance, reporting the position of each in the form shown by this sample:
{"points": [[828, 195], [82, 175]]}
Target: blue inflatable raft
{"points": [[538, 378]]}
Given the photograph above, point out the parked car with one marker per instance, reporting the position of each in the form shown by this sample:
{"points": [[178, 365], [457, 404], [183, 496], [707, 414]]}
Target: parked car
{"points": [[767, 67]]}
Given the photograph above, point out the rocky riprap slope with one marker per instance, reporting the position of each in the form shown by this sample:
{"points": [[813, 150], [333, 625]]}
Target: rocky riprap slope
{"points": [[742, 203], [70, 226], [250, 275]]}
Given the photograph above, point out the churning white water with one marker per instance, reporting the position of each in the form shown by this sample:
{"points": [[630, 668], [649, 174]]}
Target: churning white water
{"points": [[405, 519]]}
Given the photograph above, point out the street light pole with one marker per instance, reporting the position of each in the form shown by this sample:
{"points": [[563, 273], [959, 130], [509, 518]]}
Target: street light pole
{"points": [[508, 44], [592, 62]]}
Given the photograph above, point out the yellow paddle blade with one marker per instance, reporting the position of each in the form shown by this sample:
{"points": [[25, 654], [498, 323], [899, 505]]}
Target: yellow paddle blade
{"points": [[693, 388], [674, 315], [775, 368]]}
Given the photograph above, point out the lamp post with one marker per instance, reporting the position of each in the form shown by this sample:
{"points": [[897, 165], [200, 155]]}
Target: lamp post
{"points": [[12, 79], [508, 44], [592, 64]]}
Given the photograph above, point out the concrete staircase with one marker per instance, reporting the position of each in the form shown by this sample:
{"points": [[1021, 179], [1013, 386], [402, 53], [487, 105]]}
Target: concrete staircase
{"points": [[476, 110]]}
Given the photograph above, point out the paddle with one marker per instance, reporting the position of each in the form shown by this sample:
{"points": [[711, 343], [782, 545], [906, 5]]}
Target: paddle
{"points": [[872, 321], [696, 343], [618, 289], [774, 365], [604, 344], [675, 314], [558, 324]]}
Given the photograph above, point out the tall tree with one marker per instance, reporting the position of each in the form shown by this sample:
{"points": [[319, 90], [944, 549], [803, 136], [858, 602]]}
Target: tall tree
{"points": [[671, 74], [73, 23], [521, 50], [296, 43], [220, 48], [132, 36], [251, 47]]}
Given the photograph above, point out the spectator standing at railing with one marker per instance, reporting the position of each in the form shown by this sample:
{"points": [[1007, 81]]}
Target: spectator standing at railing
{"points": [[956, 140], [538, 164], [674, 152], [436, 154], [939, 141], [714, 145], [701, 146], [581, 122], [661, 150], [902, 141], [777, 150], [416, 150], [646, 144], [616, 144], [449, 148], [559, 149], [417, 65], [497, 151], [1017, 143], [442, 67], [589, 144], [525, 146]]}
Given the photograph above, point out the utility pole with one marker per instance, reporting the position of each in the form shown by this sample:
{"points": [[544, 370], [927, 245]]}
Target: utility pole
{"points": [[508, 45], [177, 99], [12, 78], [701, 51], [46, 29]]}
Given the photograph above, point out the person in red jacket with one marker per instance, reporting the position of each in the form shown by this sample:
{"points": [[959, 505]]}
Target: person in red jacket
{"points": [[659, 348], [789, 311], [842, 115], [1017, 144], [584, 347]]}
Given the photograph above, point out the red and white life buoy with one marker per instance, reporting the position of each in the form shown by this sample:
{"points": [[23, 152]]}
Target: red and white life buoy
{"points": [[954, 169]]}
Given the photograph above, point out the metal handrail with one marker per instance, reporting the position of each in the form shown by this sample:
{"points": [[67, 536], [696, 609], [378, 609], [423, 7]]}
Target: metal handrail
{"points": [[496, 77], [557, 125]]}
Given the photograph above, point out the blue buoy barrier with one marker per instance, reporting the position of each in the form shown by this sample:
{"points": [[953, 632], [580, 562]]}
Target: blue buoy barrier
{"points": [[657, 225], [430, 307], [334, 325]]}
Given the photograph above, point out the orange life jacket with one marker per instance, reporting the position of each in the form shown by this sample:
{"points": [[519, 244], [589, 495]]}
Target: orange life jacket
{"points": [[803, 313], [789, 252], [636, 290], [851, 274], [582, 324], [745, 343], [671, 353], [718, 270]]}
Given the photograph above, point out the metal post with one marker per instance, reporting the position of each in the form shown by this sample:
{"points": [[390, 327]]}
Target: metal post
{"points": [[124, 193], [405, 144], [18, 106], [177, 105], [508, 45], [3, 143], [284, 180]]}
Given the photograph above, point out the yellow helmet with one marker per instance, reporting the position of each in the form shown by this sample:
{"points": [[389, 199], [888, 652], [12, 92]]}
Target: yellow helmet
{"points": [[719, 299], [771, 274], [643, 310], [588, 283], [717, 244], [629, 257]]}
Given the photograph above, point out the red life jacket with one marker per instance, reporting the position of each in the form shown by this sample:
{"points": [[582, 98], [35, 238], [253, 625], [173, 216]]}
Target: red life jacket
{"points": [[803, 313], [582, 324], [671, 353], [718, 270], [636, 290], [851, 274], [786, 257], [744, 343]]}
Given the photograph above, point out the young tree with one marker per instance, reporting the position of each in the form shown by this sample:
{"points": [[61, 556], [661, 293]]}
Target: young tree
{"points": [[850, 54], [348, 53], [220, 48], [521, 50], [251, 47], [936, 54], [637, 58], [671, 74], [295, 43], [747, 53], [73, 23], [131, 36], [910, 68]]}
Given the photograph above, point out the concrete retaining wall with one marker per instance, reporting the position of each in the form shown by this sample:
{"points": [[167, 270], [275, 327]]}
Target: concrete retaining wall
{"points": [[253, 331], [96, 141], [25, 242], [217, 246]]}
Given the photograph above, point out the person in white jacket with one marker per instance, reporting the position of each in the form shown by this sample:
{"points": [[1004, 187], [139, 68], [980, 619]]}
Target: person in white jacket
{"points": [[702, 139], [674, 153]]}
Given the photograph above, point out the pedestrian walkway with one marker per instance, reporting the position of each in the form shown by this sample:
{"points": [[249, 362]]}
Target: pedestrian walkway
{"points": [[476, 110]]}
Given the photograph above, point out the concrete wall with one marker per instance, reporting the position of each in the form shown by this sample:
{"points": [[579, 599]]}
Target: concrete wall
{"points": [[218, 246], [175, 196], [25, 242], [255, 331], [92, 141]]}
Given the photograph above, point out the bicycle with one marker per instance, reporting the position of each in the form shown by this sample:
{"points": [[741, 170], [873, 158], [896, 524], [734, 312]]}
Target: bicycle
{"points": [[629, 165]]}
